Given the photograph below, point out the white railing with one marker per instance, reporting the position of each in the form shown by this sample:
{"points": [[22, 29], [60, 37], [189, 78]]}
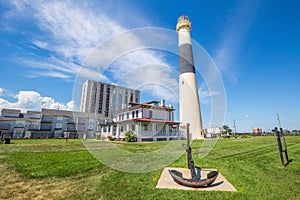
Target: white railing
{"points": [[160, 134]]}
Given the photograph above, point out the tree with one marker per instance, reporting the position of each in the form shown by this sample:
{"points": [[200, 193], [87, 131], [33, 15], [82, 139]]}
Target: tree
{"points": [[226, 130], [129, 136]]}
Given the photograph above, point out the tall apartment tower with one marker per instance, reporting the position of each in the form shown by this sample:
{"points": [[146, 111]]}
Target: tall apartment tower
{"points": [[189, 104], [105, 99]]}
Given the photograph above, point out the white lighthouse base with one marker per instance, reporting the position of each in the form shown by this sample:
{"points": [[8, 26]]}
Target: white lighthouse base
{"points": [[189, 105]]}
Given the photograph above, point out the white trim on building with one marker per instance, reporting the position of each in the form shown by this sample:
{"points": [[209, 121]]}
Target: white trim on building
{"points": [[149, 121]]}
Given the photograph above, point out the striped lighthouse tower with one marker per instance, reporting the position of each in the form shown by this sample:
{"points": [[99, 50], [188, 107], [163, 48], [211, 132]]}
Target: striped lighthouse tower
{"points": [[189, 105]]}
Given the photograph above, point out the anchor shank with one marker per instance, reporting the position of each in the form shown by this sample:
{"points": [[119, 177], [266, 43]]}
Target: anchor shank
{"points": [[191, 165]]}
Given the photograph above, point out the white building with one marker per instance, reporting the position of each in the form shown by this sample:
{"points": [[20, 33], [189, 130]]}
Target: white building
{"points": [[49, 123], [13, 123], [150, 121], [213, 132], [105, 99]]}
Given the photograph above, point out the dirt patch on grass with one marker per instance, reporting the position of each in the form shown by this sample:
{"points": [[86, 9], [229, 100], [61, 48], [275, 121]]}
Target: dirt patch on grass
{"points": [[16, 186]]}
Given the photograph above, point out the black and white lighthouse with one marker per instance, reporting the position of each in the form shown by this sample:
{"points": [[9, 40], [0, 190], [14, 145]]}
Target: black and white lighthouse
{"points": [[189, 104]]}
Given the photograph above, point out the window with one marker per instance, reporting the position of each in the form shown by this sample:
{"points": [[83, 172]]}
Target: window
{"points": [[150, 113], [133, 127], [137, 113], [128, 115], [131, 97], [145, 127], [133, 114]]}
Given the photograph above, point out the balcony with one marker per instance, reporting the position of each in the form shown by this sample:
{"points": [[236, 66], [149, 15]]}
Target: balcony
{"points": [[160, 134], [33, 127], [4, 126], [71, 121], [81, 121], [46, 127], [47, 119], [71, 128], [81, 128]]}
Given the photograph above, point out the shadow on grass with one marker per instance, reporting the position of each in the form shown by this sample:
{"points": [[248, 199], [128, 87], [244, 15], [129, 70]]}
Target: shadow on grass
{"points": [[244, 154]]}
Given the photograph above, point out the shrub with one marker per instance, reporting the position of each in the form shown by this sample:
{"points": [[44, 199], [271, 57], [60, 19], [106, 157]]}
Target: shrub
{"points": [[98, 136], [110, 138], [129, 136]]}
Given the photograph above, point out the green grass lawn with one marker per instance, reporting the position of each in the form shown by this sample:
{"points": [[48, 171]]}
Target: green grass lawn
{"points": [[55, 169]]}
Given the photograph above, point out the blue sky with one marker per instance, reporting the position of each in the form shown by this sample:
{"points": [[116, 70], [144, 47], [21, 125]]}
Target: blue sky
{"points": [[255, 45]]}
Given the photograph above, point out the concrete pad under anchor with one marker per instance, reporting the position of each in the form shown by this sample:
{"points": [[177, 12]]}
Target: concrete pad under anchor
{"points": [[166, 181]]}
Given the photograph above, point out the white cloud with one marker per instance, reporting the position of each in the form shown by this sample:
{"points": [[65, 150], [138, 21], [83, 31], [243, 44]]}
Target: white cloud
{"points": [[69, 30], [71, 106], [31, 100], [152, 79], [1, 91], [205, 94]]}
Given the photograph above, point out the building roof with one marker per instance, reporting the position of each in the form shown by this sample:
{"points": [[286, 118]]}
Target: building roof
{"points": [[148, 120], [134, 105], [66, 113], [111, 84], [10, 112]]}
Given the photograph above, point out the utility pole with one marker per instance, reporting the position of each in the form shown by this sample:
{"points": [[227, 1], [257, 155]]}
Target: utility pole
{"points": [[234, 127], [278, 119]]}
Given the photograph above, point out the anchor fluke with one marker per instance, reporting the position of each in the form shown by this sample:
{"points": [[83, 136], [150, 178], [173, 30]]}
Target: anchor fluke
{"points": [[195, 180], [177, 177]]}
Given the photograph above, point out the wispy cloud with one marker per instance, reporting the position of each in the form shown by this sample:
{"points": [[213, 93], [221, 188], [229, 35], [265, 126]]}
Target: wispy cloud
{"points": [[237, 25], [205, 94], [137, 58], [31, 100], [155, 79], [68, 31]]}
